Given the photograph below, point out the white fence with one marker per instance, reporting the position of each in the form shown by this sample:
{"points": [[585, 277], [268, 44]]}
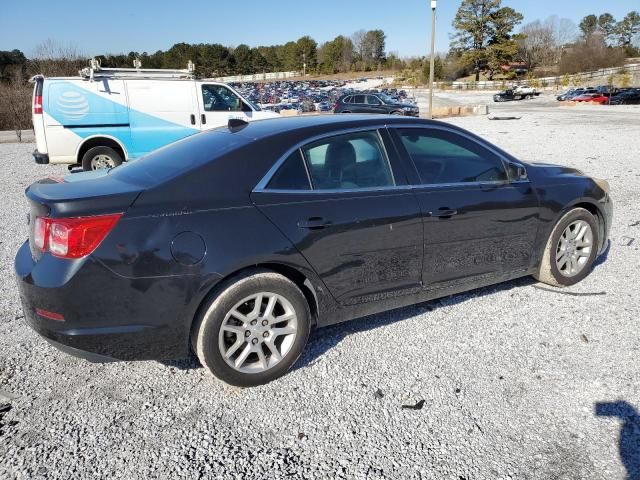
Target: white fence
{"points": [[578, 78], [257, 77]]}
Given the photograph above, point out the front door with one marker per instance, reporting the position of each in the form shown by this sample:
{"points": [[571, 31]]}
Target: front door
{"points": [[218, 103], [478, 222], [347, 209]]}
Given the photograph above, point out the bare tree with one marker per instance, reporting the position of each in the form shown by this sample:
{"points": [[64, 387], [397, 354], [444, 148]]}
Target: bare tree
{"points": [[52, 58], [537, 45], [15, 106]]}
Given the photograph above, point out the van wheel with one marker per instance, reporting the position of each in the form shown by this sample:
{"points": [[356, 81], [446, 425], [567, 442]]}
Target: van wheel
{"points": [[97, 158], [253, 330], [571, 249]]}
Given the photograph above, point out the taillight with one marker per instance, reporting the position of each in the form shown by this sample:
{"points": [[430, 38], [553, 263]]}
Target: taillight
{"points": [[37, 104], [72, 237]]}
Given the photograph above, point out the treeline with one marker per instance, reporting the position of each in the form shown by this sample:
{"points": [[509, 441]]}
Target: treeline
{"points": [[363, 51]]}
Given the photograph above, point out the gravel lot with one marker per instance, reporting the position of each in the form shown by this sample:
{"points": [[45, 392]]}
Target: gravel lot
{"points": [[510, 376]]}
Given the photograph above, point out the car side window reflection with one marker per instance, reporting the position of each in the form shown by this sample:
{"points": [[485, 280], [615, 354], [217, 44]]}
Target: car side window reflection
{"points": [[446, 157], [351, 161]]}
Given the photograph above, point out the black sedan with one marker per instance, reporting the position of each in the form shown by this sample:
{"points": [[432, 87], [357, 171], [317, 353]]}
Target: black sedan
{"points": [[237, 241], [374, 103]]}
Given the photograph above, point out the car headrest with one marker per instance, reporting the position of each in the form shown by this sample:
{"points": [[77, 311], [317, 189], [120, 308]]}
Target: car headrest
{"points": [[339, 157]]}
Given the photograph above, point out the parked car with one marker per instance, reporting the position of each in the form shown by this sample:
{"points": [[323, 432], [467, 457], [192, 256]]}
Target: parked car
{"points": [[106, 116], [580, 91], [592, 98], [628, 97], [239, 240], [510, 95], [374, 103], [324, 107]]}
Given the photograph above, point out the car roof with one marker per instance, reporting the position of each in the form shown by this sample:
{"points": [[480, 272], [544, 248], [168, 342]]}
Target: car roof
{"points": [[259, 129]]}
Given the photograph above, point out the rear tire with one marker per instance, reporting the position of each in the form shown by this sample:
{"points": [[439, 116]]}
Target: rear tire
{"points": [[97, 158], [253, 329], [571, 249]]}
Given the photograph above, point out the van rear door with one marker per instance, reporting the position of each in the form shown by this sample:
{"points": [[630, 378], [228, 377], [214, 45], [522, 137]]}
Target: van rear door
{"points": [[37, 117]]}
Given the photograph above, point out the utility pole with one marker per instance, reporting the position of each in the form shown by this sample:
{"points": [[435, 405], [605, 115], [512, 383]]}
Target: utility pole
{"points": [[433, 51]]}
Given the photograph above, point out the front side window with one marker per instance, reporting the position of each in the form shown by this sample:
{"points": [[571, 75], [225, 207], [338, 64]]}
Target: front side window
{"points": [[350, 161], [446, 157], [372, 100], [218, 98]]}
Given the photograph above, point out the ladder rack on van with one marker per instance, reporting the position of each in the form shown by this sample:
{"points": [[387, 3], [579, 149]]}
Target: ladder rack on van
{"points": [[95, 71]]}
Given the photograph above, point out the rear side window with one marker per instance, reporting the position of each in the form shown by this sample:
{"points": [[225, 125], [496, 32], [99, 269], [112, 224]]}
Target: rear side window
{"points": [[291, 175], [358, 99], [351, 161], [446, 157], [347, 99]]}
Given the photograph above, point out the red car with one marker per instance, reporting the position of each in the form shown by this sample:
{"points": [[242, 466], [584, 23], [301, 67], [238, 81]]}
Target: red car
{"points": [[592, 97]]}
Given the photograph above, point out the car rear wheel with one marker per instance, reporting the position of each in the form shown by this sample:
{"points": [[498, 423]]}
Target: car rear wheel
{"points": [[571, 249], [254, 330], [97, 158]]}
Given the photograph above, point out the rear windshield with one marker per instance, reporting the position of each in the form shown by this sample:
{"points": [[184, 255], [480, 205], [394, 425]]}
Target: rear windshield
{"points": [[178, 158]]}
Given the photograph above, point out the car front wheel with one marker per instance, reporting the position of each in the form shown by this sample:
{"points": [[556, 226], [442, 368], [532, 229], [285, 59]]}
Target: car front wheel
{"points": [[571, 249], [254, 330]]}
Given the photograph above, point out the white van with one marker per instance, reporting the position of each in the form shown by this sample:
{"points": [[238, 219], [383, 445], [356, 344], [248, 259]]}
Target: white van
{"points": [[107, 116]]}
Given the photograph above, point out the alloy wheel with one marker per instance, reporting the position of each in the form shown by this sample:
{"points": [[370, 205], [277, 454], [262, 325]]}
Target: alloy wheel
{"points": [[258, 332], [574, 248]]}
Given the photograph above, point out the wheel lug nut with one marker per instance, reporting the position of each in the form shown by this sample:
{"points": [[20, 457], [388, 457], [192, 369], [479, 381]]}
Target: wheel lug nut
{"points": [[247, 333], [265, 334], [254, 341], [253, 322], [265, 323]]}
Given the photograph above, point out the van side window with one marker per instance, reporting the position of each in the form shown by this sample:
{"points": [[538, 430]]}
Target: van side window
{"points": [[218, 98]]}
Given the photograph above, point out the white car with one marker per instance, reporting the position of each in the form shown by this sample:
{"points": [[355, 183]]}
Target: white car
{"points": [[107, 116]]}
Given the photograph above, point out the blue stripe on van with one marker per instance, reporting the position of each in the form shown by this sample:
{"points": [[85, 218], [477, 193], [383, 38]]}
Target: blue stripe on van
{"points": [[88, 114]]}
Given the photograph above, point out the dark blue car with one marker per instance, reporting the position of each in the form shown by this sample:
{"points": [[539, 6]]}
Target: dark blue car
{"points": [[237, 241]]}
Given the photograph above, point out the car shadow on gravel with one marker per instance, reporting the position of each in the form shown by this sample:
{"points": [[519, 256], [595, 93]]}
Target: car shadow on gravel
{"points": [[629, 437], [324, 339]]}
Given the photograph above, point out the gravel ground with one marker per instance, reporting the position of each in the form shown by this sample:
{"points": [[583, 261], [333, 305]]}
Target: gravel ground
{"points": [[508, 377]]}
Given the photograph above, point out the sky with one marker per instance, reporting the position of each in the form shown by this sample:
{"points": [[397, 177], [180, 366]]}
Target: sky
{"points": [[117, 26]]}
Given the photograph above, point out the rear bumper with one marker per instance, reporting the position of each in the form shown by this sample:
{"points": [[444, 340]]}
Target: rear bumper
{"points": [[105, 316], [40, 158]]}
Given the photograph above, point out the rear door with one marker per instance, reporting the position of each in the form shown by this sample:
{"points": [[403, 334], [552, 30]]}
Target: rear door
{"points": [[346, 206], [478, 221]]}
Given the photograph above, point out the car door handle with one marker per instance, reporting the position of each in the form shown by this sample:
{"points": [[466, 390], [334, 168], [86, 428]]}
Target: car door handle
{"points": [[443, 213], [203, 119], [193, 119], [314, 223]]}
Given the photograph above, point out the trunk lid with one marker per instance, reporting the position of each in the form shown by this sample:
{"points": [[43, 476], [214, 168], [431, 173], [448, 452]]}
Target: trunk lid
{"points": [[96, 194]]}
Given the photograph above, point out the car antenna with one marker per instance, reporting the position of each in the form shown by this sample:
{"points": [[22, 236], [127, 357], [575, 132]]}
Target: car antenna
{"points": [[236, 124]]}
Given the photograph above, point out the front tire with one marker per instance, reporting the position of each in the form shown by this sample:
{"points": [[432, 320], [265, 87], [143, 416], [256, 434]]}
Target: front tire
{"points": [[571, 249], [253, 330], [97, 158]]}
